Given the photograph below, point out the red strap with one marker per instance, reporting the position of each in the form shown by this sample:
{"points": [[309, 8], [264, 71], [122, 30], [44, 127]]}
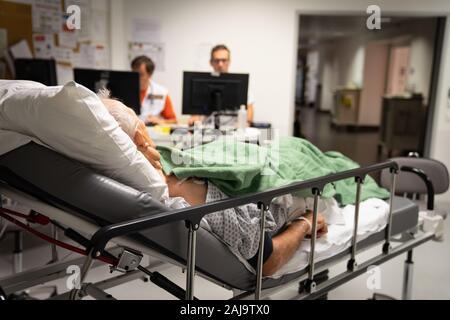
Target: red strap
{"points": [[34, 218], [4, 213]]}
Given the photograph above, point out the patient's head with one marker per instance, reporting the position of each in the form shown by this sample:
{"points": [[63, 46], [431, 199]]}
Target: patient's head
{"points": [[125, 116], [127, 119], [133, 127]]}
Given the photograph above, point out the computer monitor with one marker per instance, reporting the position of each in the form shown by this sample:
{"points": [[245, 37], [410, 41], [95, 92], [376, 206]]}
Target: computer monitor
{"points": [[205, 93], [39, 70], [123, 85]]}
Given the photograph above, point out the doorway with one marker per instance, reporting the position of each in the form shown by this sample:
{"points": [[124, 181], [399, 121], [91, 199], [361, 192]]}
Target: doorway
{"points": [[352, 74]]}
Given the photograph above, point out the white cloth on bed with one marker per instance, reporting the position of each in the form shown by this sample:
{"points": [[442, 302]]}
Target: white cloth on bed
{"points": [[372, 219], [239, 228], [73, 121]]}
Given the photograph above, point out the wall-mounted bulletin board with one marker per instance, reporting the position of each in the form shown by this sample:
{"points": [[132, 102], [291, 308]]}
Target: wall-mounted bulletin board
{"points": [[42, 24], [15, 25]]}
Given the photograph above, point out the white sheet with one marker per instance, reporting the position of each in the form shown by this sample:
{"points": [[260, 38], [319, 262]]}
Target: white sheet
{"points": [[372, 219]]}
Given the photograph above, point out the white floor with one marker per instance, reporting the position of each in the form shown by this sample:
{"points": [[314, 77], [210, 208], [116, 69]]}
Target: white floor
{"points": [[431, 274]]}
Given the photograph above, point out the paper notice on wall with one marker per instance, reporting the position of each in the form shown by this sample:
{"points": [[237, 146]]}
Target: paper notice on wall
{"points": [[64, 73], [3, 41], [44, 46], [145, 30], [21, 50], [85, 58], [67, 40], [76, 60], [47, 16], [155, 51], [101, 57], [100, 27], [63, 55]]}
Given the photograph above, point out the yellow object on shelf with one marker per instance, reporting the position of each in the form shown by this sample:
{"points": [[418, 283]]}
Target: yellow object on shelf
{"points": [[162, 129], [347, 101]]}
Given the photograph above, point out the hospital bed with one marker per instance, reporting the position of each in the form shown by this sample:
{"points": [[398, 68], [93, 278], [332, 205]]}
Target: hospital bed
{"points": [[96, 211]]}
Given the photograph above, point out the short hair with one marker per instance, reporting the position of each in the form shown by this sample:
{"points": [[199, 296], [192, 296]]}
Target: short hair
{"points": [[219, 47], [149, 64], [126, 117], [104, 93]]}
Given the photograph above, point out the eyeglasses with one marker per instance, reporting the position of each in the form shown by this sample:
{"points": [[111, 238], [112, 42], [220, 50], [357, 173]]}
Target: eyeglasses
{"points": [[216, 61]]}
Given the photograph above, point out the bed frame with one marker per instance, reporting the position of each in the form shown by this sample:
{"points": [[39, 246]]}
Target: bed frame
{"points": [[128, 258]]}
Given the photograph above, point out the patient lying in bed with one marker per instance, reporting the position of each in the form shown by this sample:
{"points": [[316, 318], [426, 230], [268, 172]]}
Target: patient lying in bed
{"points": [[93, 129], [287, 225], [289, 219]]}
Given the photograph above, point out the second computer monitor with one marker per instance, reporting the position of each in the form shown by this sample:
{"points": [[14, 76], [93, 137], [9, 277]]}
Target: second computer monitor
{"points": [[39, 70], [206, 93], [124, 86]]}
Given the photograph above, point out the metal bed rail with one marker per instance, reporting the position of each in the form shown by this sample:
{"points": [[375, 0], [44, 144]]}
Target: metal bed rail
{"points": [[405, 246], [193, 215]]}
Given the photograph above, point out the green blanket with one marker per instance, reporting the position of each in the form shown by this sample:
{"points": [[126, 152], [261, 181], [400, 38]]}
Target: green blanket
{"points": [[240, 168]]}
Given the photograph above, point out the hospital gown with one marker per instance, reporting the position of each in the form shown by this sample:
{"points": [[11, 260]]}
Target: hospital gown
{"points": [[239, 227]]}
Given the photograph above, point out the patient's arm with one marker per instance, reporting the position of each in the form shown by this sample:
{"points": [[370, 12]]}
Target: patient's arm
{"points": [[287, 242], [193, 191], [146, 145]]}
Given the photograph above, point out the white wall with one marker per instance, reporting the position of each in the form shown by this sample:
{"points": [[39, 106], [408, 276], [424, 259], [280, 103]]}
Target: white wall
{"points": [[350, 62], [421, 57], [341, 65], [312, 76], [328, 77], [265, 51]]}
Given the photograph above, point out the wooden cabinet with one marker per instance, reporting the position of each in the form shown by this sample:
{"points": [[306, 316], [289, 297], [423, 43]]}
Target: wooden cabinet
{"points": [[346, 107], [402, 124]]}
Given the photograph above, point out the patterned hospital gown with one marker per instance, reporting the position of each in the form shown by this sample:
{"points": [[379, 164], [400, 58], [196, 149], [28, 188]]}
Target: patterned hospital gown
{"points": [[239, 227]]}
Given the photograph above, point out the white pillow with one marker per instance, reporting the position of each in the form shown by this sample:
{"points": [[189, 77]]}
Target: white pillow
{"points": [[74, 122]]}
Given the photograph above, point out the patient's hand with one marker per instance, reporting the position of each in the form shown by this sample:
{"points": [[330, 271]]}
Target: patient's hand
{"points": [[152, 155], [146, 145], [322, 228]]}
